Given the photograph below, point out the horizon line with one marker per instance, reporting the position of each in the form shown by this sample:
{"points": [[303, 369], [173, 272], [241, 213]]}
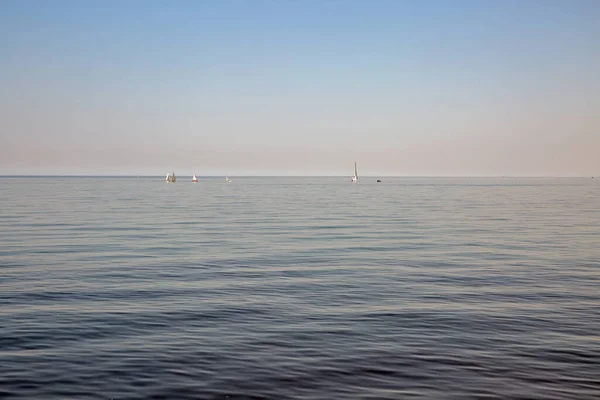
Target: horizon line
{"points": [[287, 176]]}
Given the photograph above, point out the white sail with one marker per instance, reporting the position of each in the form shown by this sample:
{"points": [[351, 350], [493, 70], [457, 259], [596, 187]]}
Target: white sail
{"points": [[194, 178], [227, 178], [355, 177]]}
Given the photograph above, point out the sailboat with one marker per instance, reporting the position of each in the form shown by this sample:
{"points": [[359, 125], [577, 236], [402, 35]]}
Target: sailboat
{"points": [[355, 177], [194, 178], [173, 178], [168, 179], [227, 179]]}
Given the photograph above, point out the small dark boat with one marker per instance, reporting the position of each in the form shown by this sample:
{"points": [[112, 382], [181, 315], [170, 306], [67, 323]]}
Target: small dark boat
{"points": [[378, 180]]}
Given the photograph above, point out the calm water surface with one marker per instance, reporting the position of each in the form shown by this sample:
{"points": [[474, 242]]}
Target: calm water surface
{"points": [[299, 288]]}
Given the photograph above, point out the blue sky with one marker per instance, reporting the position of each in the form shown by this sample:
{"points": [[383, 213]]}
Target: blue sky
{"points": [[300, 87]]}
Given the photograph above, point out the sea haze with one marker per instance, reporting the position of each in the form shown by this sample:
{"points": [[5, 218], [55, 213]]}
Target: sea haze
{"points": [[299, 288]]}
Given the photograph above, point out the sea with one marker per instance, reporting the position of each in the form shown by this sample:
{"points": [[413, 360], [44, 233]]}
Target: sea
{"points": [[299, 288]]}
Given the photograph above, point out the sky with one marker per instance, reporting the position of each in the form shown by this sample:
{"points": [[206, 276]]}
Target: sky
{"points": [[282, 87]]}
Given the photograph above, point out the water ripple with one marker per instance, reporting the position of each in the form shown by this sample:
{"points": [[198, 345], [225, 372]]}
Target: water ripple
{"points": [[296, 288]]}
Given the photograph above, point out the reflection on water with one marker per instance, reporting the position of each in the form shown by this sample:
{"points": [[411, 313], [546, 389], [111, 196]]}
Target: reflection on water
{"points": [[298, 288]]}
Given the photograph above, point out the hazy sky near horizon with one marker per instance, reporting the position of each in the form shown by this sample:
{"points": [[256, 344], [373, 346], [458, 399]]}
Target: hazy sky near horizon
{"points": [[300, 87]]}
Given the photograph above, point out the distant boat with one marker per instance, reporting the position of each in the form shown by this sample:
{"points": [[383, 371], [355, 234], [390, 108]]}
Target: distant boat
{"points": [[355, 177], [171, 178], [379, 180], [227, 179], [194, 178]]}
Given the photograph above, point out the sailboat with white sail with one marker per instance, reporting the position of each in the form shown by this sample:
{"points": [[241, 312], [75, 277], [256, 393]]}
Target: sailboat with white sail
{"points": [[171, 178], [227, 179], [194, 178], [355, 177]]}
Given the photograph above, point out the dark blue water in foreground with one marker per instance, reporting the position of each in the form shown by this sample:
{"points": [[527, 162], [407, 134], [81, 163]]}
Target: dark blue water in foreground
{"points": [[299, 288]]}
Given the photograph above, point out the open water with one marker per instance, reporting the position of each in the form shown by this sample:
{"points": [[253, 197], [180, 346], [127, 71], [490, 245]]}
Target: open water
{"points": [[299, 288]]}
